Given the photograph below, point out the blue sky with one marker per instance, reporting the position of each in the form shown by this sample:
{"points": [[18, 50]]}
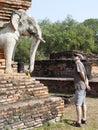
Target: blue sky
{"points": [[60, 9]]}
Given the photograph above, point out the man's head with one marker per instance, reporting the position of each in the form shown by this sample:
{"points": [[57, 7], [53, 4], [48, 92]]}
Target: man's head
{"points": [[78, 57]]}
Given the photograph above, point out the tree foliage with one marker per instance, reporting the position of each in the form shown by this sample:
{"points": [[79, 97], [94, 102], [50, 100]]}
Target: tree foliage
{"points": [[66, 35], [22, 53], [93, 25]]}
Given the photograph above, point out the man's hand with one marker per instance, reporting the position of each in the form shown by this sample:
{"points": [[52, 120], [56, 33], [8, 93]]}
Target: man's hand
{"points": [[91, 91], [88, 88]]}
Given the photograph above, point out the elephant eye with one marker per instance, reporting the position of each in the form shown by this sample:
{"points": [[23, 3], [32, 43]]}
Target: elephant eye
{"points": [[29, 22], [20, 24]]}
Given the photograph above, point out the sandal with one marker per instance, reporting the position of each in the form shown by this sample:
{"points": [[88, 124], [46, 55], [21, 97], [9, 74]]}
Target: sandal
{"points": [[76, 124], [83, 121]]}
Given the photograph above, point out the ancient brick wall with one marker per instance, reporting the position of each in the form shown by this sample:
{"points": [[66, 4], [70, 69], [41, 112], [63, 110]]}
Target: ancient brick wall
{"points": [[90, 62], [29, 114], [69, 54], [61, 65], [2, 63], [25, 103], [66, 85], [6, 7], [57, 68], [53, 68]]}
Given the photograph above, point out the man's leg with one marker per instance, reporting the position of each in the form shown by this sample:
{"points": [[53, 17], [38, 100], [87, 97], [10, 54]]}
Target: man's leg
{"points": [[79, 100], [79, 113], [84, 109]]}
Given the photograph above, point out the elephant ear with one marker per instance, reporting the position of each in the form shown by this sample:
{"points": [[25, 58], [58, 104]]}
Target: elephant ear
{"points": [[15, 20]]}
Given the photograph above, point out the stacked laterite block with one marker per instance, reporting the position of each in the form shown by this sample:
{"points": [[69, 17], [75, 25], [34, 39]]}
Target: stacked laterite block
{"points": [[2, 63], [6, 7], [25, 103], [19, 87]]}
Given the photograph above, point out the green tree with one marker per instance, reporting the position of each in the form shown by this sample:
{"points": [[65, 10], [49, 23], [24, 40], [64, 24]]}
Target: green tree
{"points": [[55, 35], [22, 53], [93, 24], [85, 39], [66, 35]]}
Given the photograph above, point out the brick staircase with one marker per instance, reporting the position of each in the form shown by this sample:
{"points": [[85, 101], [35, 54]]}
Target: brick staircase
{"points": [[25, 103], [14, 89], [2, 63]]}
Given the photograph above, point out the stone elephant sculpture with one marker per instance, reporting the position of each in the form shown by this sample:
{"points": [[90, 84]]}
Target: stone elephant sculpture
{"points": [[20, 24]]}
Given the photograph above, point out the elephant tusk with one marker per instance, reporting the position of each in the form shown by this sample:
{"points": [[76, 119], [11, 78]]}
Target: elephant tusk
{"points": [[42, 40]]}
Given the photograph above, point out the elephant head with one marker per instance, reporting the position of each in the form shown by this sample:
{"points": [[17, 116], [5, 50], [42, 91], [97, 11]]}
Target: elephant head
{"points": [[27, 26], [20, 24]]}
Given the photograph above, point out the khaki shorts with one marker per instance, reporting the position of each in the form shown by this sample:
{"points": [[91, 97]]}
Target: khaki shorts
{"points": [[80, 97]]}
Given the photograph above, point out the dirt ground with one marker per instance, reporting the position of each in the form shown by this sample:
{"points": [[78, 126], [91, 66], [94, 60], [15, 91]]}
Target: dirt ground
{"points": [[92, 115], [70, 116]]}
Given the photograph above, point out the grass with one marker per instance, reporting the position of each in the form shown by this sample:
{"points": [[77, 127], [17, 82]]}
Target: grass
{"points": [[70, 116]]}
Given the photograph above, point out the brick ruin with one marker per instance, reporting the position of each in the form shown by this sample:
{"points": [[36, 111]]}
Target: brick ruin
{"points": [[6, 7], [61, 64], [57, 73], [25, 103], [90, 62]]}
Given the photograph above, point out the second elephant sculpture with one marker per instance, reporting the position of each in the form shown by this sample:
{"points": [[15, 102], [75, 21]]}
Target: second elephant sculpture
{"points": [[20, 24]]}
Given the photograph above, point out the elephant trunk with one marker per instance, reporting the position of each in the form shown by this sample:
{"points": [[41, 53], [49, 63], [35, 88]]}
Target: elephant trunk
{"points": [[33, 49], [37, 38]]}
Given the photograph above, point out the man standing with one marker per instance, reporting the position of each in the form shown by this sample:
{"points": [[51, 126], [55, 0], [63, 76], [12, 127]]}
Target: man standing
{"points": [[81, 84]]}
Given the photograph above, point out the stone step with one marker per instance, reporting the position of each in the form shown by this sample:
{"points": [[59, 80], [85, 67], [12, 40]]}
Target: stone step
{"points": [[1, 56], [28, 114], [3, 66], [16, 89]]}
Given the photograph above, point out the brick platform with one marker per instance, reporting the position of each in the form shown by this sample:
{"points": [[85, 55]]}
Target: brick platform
{"points": [[66, 85], [30, 113], [25, 103], [2, 63]]}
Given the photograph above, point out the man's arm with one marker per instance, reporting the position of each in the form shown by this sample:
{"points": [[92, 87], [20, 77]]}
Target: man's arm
{"points": [[82, 75]]}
